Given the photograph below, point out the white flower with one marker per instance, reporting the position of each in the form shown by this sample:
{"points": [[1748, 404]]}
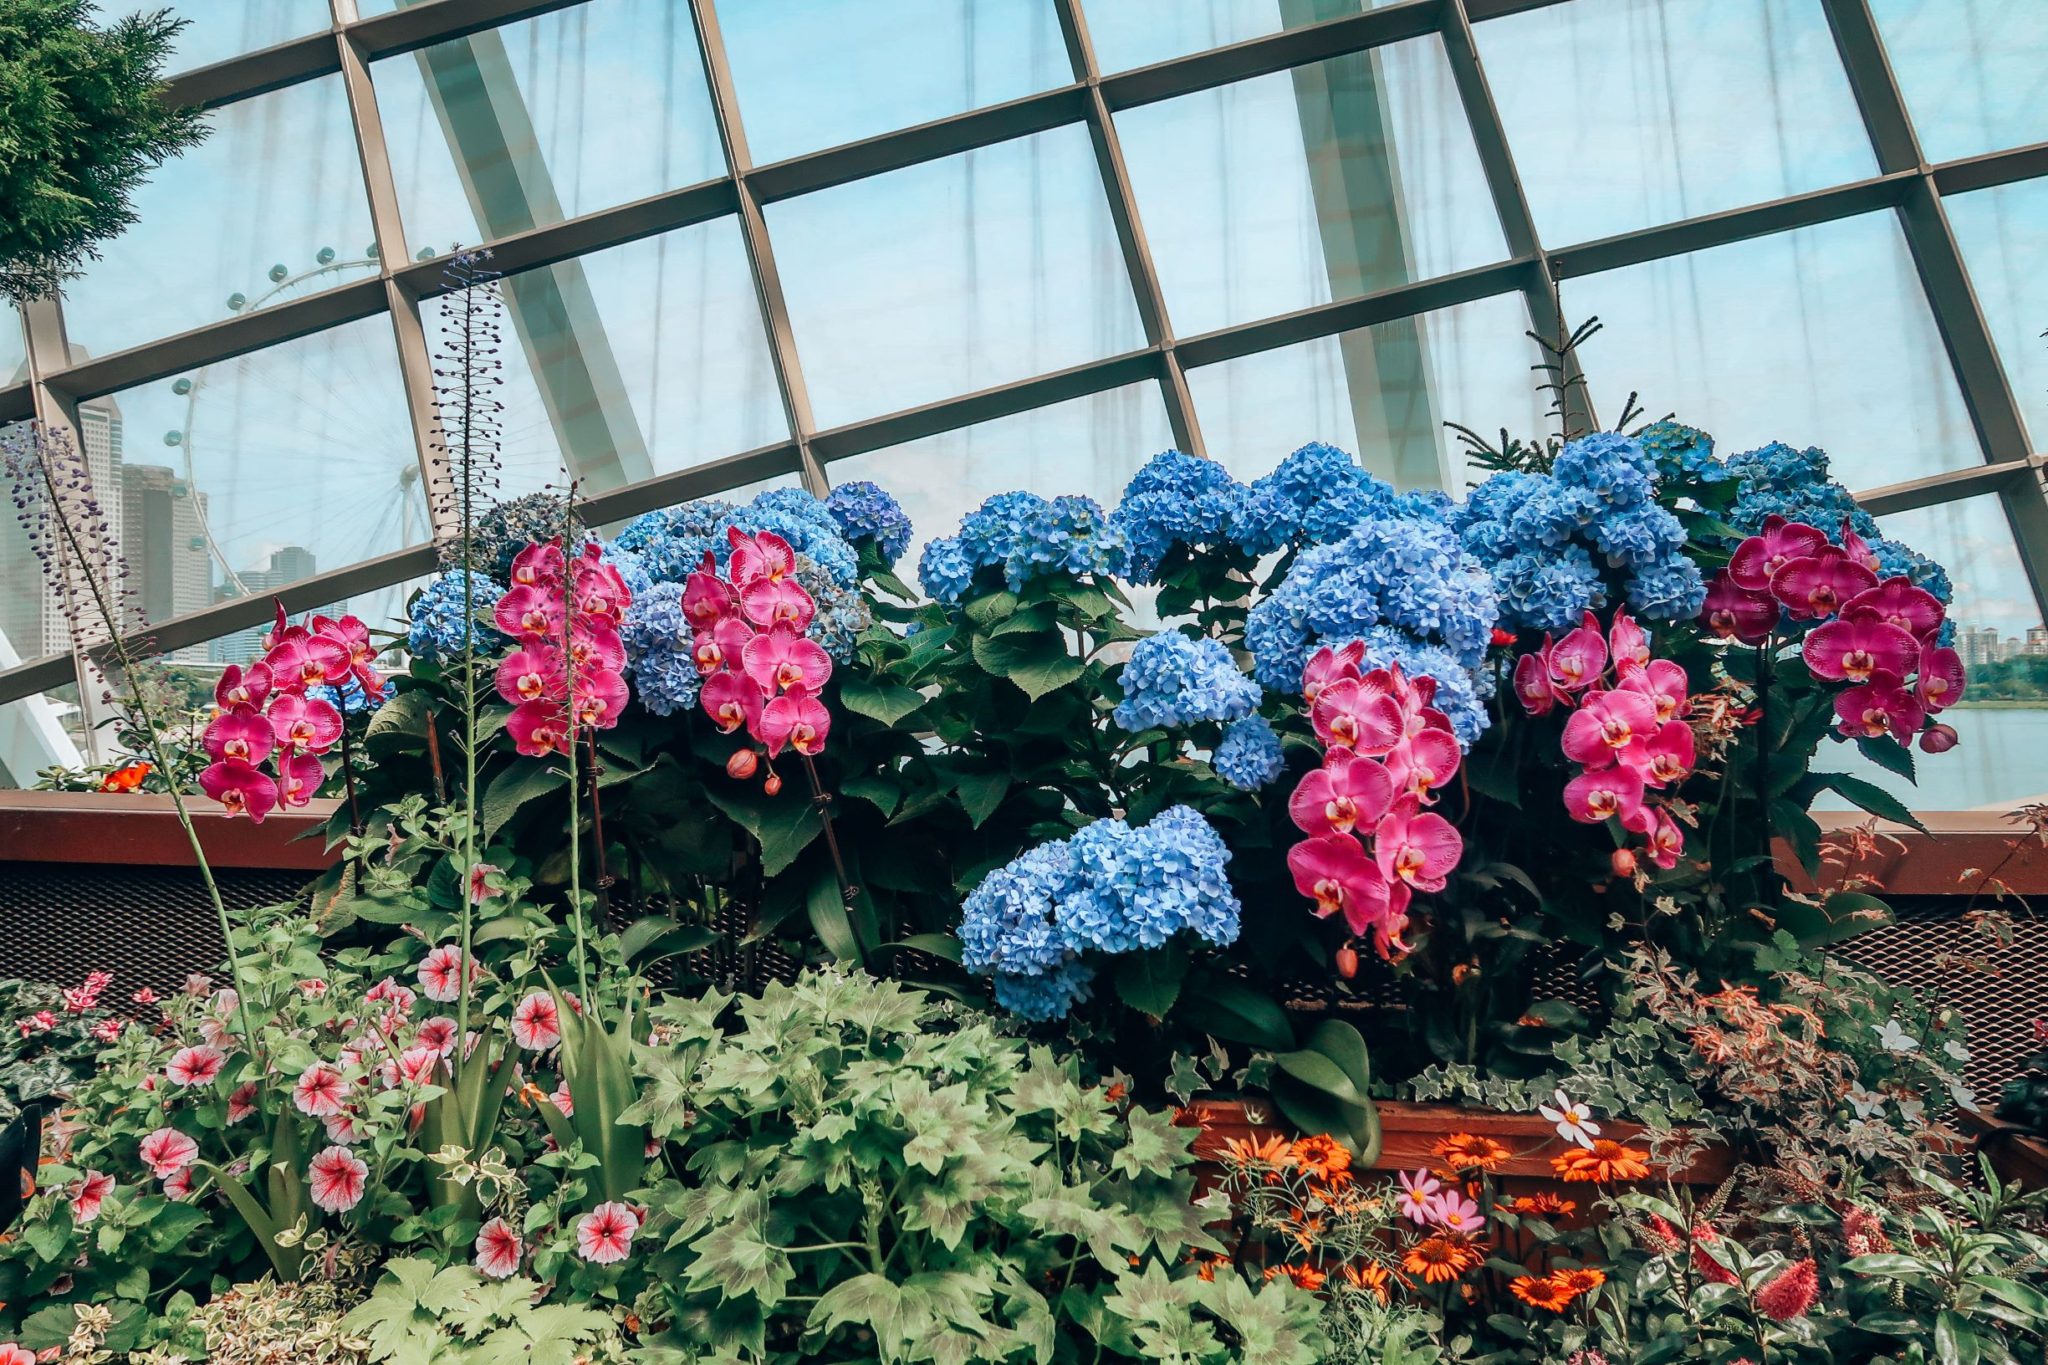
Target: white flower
{"points": [[1912, 1110], [1866, 1104], [1574, 1121], [1964, 1097], [1896, 1039], [1956, 1050]]}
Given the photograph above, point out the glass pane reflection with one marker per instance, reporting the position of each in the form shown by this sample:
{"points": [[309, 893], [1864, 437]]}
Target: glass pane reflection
{"points": [[1131, 33], [1999, 231], [1970, 70]]}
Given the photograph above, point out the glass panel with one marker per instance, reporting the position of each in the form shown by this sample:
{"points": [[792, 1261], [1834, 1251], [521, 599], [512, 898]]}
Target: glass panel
{"points": [[13, 346], [1383, 392], [243, 476], [954, 275], [1325, 182], [269, 207], [2003, 720], [218, 29], [1131, 33], [539, 121], [641, 360], [38, 732], [1999, 231], [1627, 113], [816, 73], [1970, 70], [1090, 445], [1815, 337]]}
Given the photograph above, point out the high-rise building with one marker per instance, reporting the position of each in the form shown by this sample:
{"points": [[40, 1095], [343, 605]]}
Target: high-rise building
{"points": [[163, 536], [2037, 640], [286, 565], [1977, 645]]}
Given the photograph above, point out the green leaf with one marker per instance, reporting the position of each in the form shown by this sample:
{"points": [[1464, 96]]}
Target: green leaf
{"points": [[1800, 831], [399, 725], [518, 787], [1238, 1013], [981, 793], [1037, 661], [784, 824], [1149, 982], [1842, 916], [1889, 754], [871, 1300], [1873, 798], [886, 702], [882, 790], [828, 916], [990, 608], [937, 945], [1954, 1341]]}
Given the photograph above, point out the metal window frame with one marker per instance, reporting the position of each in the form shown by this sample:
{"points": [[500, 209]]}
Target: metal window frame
{"points": [[1906, 184]]}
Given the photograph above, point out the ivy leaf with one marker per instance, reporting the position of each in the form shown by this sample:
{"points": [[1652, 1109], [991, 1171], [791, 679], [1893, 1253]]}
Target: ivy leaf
{"points": [[887, 702], [735, 1259], [869, 1300]]}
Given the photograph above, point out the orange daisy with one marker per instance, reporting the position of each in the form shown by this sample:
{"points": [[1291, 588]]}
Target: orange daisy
{"points": [[1470, 1152], [1323, 1157], [1545, 1204], [1542, 1291], [1274, 1151], [1307, 1276], [1439, 1260], [1582, 1281], [1372, 1275], [1605, 1160]]}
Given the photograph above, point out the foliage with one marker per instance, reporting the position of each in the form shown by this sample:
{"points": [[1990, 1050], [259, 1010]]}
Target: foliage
{"points": [[85, 124], [418, 1315], [2025, 1097], [49, 1039]]}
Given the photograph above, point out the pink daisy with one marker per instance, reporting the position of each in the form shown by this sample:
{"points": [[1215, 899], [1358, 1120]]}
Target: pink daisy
{"points": [[441, 973], [93, 1190], [167, 1151], [605, 1234], [536, 1023], [498, 1249], [320, 1091], [338, 1177], [242, 1103]]}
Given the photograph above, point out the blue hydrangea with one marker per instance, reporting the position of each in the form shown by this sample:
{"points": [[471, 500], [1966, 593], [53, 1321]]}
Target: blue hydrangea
{"points": [[1794, 484], [1172, 680], [1249, 756], [672, 542], [1108, 889], [632, 572], [1548, 589], [350, 699], [1461, 692], [1026, 536], [1176, 499], [864, 511], [658, 643], [1639, 536], [1315, 496], [1401, 578], [1682, 452], [1614, 468], [1670, 590], [436, 632]]}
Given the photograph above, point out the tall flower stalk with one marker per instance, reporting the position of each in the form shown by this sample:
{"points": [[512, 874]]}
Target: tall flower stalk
{"points": [[570, 557], [73, 541]]}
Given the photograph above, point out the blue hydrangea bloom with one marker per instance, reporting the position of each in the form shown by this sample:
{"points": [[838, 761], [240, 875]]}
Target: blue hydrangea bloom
{"points": [[1548, 589], [1614, 468], [1108, 889], [350, 699], [1682, 452], [1668, 590], [672, 542], [1794, 484], [1173, 680], [865, 511], [1638, 537], [1461, 692], [632, 572], [1026, 536], [436, 631], [1249, 756], [1176, 499], [658, 645], [1315, 496]]}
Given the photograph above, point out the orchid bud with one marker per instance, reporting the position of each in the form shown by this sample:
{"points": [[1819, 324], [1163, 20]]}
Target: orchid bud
{"points": [[1623, 861], [773, 786], [1939, 739], [742, 764], [1347, 962]]}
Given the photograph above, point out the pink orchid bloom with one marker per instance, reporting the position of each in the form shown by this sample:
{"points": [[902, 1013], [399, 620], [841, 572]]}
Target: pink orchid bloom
{"points": [[530, 612], [595, 645], [766, 555], [732, 700], [1900, 602], [1423, 763], [1664, 683], [1578, 660], [530, 673], [708, 599], [1881, 706], [1609, 724], [1604, 793], [239, 686], [352, 637], [1628, 643], [1734, 612], [1327, 665], [1857, 548], [239, 733], [1532, 682], [1350, 715], [707, 655], [302, 660], [1851, 648], [281, 629], [782, 658], [1757, 560], [305, 724], [774, 601], [241, 788], [1346, 792], [601, 698], [538, 565], [539, 728], [1942, 678], [1670, 754], [298, 778], [1666, 841], [601, 594], [725, 646], [1334, 872], [1815, 586], [1417, 847], [1939, 739], [798, 719]]}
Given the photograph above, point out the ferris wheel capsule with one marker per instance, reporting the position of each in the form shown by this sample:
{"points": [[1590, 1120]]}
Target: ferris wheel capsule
{"points": [[371, 251], [237, 302], [174, 438], [324, 255], [181, 387], [278, 272]]}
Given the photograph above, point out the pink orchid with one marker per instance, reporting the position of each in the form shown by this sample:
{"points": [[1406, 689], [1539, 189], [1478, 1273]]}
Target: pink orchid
{"points": [[1900, 602], [298, 779], [1628, 643], [1423, 763], [1417, 847], [1939, 739], [239, 686], [537, 1022], [774, 601], [708, 599], [1757, 560], [320, 1091], [604, 1236], [1608, 725], [498, 1250], [1815, 586], [1880, 706], [302, 660], [782, 658], [241, 788], [1666, 840], [1578, 660], [1670, 754], [305, 724], [595, 646], [723, 646], [731, 700], [1601, 793], [798, 719], [1851, 648], [1328, 665], [601, 698], [195, 1065], [166, 1152], [1532, 682], [1664, 683], [93, 1189], [1346, 792], [338, 1178], [1857, 548], [539, 728], [1350, 715], [1942, 678], [1334, 872], [239, 734], [1734, 612], [530, 673], [352, 637], [538, 564], [600, 593], [755, 557], [530, 612]]}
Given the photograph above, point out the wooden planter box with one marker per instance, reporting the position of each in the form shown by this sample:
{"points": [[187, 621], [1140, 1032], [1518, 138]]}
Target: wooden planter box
{"points": [[2019, 1155]]}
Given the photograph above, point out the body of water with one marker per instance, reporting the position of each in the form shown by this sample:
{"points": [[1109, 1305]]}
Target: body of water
{"points": [[2001, 762]]}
